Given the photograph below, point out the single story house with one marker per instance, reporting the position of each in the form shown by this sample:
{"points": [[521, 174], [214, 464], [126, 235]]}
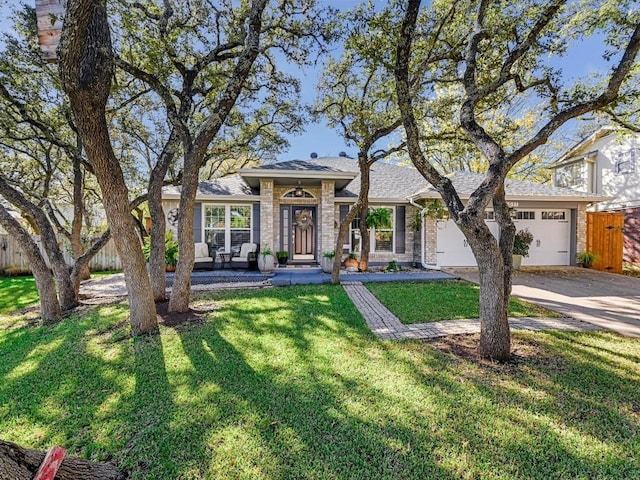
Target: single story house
{"points": [[296, 206]]}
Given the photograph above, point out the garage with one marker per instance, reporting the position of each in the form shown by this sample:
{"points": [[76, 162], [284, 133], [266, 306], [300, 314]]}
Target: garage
{"points": [[551, 229]]}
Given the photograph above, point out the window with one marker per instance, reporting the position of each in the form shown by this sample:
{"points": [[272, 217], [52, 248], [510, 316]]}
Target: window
{"points": [[626, 161], [489, 215], [227, 227], [553, 215], [525, 216], [240, 226], [297, 193], [572, 175], [381, 237], [214, 227]]}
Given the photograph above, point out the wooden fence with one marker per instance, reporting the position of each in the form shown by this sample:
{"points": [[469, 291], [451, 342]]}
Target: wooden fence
{"points": [[605, 237], [12, 260]]}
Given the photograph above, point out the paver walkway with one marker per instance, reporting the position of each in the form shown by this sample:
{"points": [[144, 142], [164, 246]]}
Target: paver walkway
{"points": [[385, 325]]}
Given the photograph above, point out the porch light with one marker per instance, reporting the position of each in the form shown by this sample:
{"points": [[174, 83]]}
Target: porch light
{"points": [[299, 192]]}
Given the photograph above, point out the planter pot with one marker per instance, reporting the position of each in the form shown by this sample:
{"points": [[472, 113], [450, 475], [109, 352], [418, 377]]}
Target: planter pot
{"points": [[326, 264], [266, 263], [350, 264], [517, 262], [282, 261], [170, 268], [362, 266]]}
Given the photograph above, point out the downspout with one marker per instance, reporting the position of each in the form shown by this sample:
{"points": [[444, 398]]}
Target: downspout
{"points": [[423, 210]]}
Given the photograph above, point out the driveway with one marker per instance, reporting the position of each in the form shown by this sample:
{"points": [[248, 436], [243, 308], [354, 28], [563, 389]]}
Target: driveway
{"points": [[608, 300]]}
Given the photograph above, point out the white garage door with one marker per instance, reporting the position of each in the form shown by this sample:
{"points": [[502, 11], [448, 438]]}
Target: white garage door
{"points": [[452, 249], [551, 231]]}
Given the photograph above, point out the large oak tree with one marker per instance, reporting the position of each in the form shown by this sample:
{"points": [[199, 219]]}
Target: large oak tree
{"points": [[505, 47]]}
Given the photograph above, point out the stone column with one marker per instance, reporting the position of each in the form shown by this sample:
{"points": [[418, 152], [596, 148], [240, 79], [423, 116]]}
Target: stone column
{"points": [[266, 213], [327, 220]]}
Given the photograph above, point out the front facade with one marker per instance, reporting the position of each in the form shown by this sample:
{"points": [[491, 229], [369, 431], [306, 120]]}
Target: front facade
{"points": [[607, 163], [297, 207]]}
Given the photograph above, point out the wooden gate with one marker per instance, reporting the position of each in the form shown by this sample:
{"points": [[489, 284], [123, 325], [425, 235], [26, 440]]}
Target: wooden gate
{"points": [[605, 237]]}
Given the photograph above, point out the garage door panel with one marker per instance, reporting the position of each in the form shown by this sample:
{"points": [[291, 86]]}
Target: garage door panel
{"points": [[551, 231]]}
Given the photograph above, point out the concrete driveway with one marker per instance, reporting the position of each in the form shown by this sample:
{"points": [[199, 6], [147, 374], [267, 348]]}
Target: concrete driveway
{"points": [[608, 300]]}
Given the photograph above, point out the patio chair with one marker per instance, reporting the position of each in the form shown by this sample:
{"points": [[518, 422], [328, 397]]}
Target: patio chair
{"points": [[203, 259], [247, 257]]}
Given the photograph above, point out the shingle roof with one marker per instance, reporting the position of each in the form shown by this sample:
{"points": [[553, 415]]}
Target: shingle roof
{"points": [[387, 181], [230, 185], [305, 165], [465, 183]]}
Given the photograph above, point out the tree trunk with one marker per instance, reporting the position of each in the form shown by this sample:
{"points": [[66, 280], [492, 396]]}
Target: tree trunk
{"points": [[158, 221], [82, 262], [86, 69], [495, 337], [68, 299], [49, 306], [78, 211], [181, 288], [18, 463]]}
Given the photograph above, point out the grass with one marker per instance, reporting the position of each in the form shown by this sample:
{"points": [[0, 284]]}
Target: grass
{"points": [[289, 383], [449, 299], [17, 293], [20, 292]]}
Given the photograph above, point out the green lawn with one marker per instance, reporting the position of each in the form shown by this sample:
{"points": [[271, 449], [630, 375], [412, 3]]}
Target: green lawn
{"points": [[20, 292], [17, 293], [289, 383], [448, 299]]}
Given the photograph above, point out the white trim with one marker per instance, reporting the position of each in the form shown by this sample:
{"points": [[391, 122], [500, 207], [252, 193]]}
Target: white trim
{"points": [[227, 220]]}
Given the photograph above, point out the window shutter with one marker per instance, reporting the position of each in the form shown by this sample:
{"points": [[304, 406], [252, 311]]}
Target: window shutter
{"points": [[197, 222], [400, 229]]}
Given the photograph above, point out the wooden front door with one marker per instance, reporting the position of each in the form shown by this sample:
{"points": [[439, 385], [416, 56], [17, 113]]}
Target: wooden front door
{"points": [[605, 237], [303, 235]]}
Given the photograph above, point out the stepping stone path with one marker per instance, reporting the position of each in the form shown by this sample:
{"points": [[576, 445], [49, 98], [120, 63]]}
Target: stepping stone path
{"points": [[386, 326]]}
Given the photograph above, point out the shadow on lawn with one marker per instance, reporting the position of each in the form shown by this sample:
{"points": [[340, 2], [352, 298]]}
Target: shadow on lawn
{"points": [[294, 385]]}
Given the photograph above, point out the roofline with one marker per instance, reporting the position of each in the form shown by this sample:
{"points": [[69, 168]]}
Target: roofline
{"points": [[372, 200], [532, 198], [241, 198], [594, 137], [273, 173]]}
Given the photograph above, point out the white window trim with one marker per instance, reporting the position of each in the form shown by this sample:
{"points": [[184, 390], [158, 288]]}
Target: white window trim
{"points": [[372, 233], [227, 221]]}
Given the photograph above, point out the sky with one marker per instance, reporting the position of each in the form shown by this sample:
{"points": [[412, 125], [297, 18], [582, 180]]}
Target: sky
{"points": [[581, 60]]}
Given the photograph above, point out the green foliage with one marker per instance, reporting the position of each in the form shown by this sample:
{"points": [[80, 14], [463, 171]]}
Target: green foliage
{"points": [[379, 218], [329, 254], [434, 301], [265, 249], [290, 383], [522, 242], [282, 254], [393, 266], [587, 259], [170, 249]]}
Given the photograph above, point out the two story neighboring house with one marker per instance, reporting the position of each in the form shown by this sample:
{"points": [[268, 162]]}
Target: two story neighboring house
{"points": [[607, 163]]}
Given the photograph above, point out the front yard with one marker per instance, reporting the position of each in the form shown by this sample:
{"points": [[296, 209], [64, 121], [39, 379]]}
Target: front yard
{"points": [[450, 299], [290, 383]]}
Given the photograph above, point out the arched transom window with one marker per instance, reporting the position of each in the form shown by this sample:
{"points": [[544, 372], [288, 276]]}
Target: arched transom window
{"points": [[297, 193]]}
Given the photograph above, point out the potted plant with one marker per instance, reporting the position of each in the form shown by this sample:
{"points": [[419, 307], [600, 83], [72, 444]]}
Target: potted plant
{"points": [[521, 244], [351, 262], [283, 258], [587, 259], [327, 261], [266, 259]]}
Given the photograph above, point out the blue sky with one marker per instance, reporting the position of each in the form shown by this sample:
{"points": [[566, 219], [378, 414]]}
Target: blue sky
{"points": [[581, 60]]}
